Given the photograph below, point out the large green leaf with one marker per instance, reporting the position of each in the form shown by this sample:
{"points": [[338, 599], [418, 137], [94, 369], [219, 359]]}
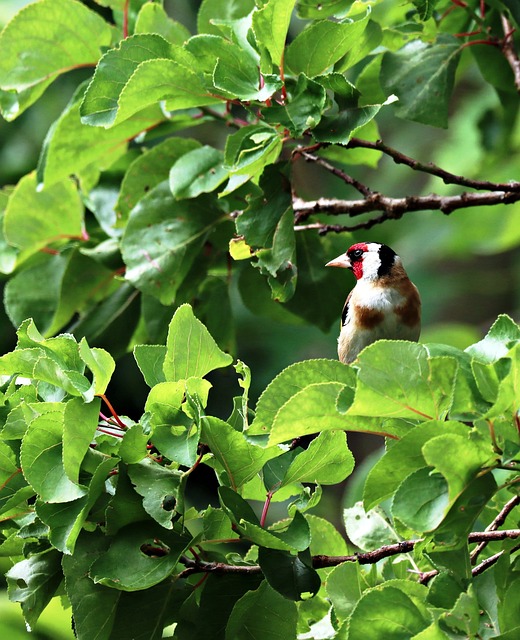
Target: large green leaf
{"points": [[149, 169], [35, 218], [240, 459], [422, 77], [501, 337], [388, 612], [191, 351], [143, 70], [290, 575], [328, 460], [323, 43], [197, 171], [398, 379], [403, 458], [33, 582], [141, 556], [92, 147], [270, 26], [262, 614], [42, 459], [163, 238], [40, 42], [80, 421]]}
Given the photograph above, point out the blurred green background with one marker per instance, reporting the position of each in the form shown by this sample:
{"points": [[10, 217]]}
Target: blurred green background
{"points": [[466, 265]]}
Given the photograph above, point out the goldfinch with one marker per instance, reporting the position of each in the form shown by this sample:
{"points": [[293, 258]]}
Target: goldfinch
{"points": [[383, 304]]}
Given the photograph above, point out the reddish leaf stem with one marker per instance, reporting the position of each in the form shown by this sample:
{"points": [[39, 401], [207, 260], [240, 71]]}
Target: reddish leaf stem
{"points": [[267, 503], [125, 19], [112, 411]]}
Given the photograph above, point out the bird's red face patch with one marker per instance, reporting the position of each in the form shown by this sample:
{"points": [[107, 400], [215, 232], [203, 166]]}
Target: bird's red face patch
{"points": [[355, 255]]}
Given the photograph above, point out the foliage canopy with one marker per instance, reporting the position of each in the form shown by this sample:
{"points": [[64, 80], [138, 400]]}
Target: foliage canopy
{"points": [[125, 237]]}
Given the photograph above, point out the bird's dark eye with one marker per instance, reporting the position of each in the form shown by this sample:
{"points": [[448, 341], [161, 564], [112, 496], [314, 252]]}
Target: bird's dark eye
{"points": [[356, 254]]}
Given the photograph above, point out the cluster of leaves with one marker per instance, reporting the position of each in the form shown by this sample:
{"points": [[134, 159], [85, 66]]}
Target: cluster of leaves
{"points": [[98, 507], [124, 187]]}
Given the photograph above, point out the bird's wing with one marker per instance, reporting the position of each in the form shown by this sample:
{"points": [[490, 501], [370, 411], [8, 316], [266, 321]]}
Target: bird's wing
{"points": [[344, 313]]}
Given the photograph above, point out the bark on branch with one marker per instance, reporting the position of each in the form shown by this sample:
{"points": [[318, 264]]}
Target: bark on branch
{"points": [[487, 194], [369, 557]]}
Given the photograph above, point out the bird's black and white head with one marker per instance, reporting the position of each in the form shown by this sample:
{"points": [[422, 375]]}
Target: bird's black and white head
{"points": [[368, 261]]}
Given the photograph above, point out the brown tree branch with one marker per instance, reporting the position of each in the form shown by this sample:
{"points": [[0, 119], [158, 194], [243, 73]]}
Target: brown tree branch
{"points": [[497, 522], [446, 176], [392, 208], [510, 53], [369, 557]]}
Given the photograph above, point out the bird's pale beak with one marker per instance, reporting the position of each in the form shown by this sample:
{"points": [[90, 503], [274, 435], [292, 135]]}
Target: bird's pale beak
{"points": [[342, 261]]}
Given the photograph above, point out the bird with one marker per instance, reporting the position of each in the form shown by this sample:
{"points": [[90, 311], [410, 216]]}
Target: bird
{"points": [[384, 304]]}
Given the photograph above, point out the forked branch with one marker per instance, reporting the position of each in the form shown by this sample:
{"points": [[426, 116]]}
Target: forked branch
{"points": [[487, 193]]}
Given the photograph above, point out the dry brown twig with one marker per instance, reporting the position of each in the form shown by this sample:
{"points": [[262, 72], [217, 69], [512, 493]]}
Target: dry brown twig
{"points": [[487, 193]]}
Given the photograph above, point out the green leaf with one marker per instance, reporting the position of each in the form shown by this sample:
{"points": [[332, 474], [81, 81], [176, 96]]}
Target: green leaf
{"points": [[465, 615], [398, 379], [33, 582], [262, 614], [328, 460], [122, 613], [240, 459], [80, 422], [174, 432], [212, 11], [309, 9], [35, 292], [323, 43], [92, 147], [13, 487], [270, 26], [459, 459], [340, 128], [149, 169], [421, 500], [198, 171], [278, 262], [258, 222], [66, 521], [368, 530], [141, 556], [150, 360], [387, 612], [303, 108], [191, 351], [152, 18], [159, 488], [39, 42], [13, 103], [163, 238], [313, 380], [292, 576], [345, 585], [369, 40], [422, 77], [251, 148], [404, 457], [42, 459], [425, 8], [100, 363], [35, 218], [143, 70], [501, 337]]}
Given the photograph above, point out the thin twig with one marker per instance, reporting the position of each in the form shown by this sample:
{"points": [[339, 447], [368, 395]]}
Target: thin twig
{"points": [[446, 176], [345, 177], [321, 561], [392, 208], [497, 522], [510, 53]]}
